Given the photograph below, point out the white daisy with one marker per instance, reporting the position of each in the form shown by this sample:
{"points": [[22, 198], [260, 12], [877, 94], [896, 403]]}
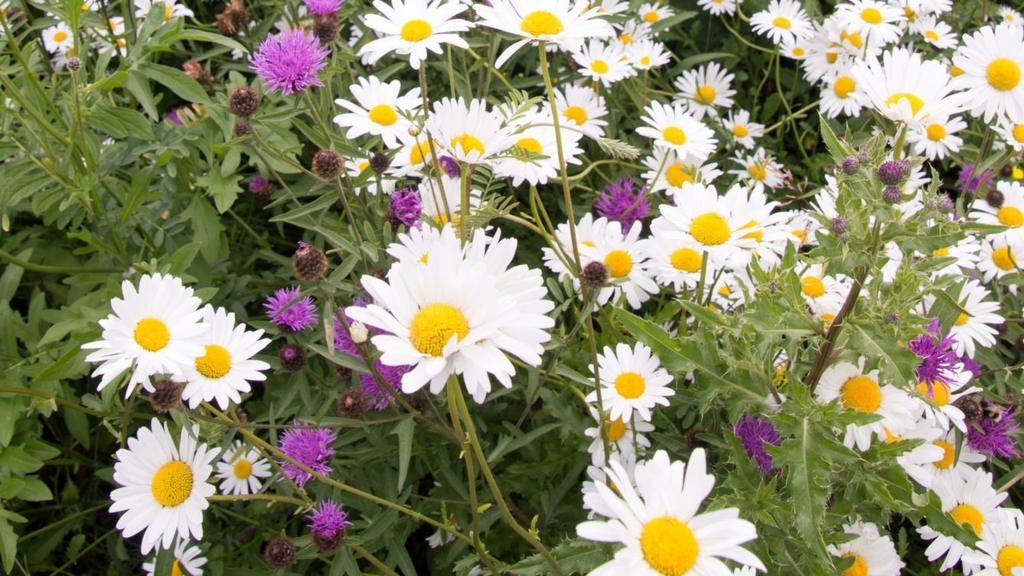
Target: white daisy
{"points": [[796, 49], [171, 9], [706, 89], [936, 32], [647, 54], [469, 133], [379, 110], [564, 23], [581, 108], [1010, 213], [535, 152], [1000, 551], [658, 524], [970, 500], [632, 379], [604, 63], [163, 486], [153, 330], [654, 12], [936, 137], [872, 553], [938, 457], [634, 31], [412, 27], [240, 470], [840, 96], [1010, 16], [999, 258], [223, 371], [667, 171], [822, 291], [443, 205], [411, 158], [718, 7], [187, 561], [783, 20], [992, 61], [875, 21], [58, 39], [760, 169], [745, 132], [1011, 128], [675, 259], [768, 228], [714, 223], [975, 325], [622, 255], [964, 254], [939, 397], [904, 87], [459, 314], [674, 128], [623, 437]]}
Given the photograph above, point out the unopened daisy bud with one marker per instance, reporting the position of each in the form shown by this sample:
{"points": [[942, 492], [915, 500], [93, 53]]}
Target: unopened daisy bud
{"points": [[279, 552], [74, 64], [325, 28], [594, 275], [292, 357], [379, 162], [309, 262], [892, 195], [893, 172], [243, 101], [327, 164], [241, 129], [166, 396], [414, 130], [358, 332], [995, 198], [351, 403], [851, 165]]}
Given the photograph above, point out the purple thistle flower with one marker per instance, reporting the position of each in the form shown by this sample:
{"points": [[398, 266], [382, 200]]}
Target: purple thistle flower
{"points": [[288, 310], [971, 182], [310, 447], [450, 166], [173, 117], [938, 361], [258, 184], [379, 397], [406, 207], [754, 433], [327, 519], [620, 203], [991, 436], [322, 7], [289, 61]]}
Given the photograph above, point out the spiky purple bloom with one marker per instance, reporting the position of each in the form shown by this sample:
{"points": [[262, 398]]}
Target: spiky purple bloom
{"points": [[406, 207], [621, 203], [991, 436], [289, 61], [971, 365], [322, 7], [309, 446], [893, 172], [290, 311], [450, 166], [258, 184], [938, 360], [971, 181], [754, 433], [327, 519]]}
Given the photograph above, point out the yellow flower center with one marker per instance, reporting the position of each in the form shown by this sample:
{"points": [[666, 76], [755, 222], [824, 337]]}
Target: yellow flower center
{"points": [[215, 363], [651, 17], [1003, 74], [383, 114], [172, 483], [674, 135], [961, 319], [860, 567], [1018, 133], [831, 57], [1009, 557], [940, 252], [948, 455], [706, 94], [710, 229], [757, 171], [626, 38], [168, 10], [676, 176], [862, 394], [434, 325], [931, 35], [782, 22], [242, 469], [740, 131], [645, 61], [798, 51], [843, 86], [619, 263], [1011, 216], [152, 334], [967, 514], [416, 30], [669, 546], [936, 132], [812, 286], [915, 103], [176, 568], [577, 114], [910, 14], [955, 71], [599, 66], [891, 438], [757, 235], [630, 385], [530, 145], [1018, 172], [686, 259], [871, 15], [1004, 258], [60, 36], [418, 153], [469, 143], [616, 429], [939, 393], [851, 37], [541, 23]]}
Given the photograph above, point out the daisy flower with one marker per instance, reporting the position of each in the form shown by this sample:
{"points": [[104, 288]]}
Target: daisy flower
{"points": [[622, 255], [1010, 16], [821, 291], [171, 9], [937, 33], [742, 129], [443, 205], [1000, 551], [163, 487], [970, 500], [760, 170], [872, 553], [654, 12], [223, 371], [471, 133], [718, 7], [840, 96], [765, 226], [622, 436], [1009, 214], [861, 392], [535, 153], [564, 23], [289, 61], [414, 27], [1011, 128], [905, 88], [992, 60], [632, 379], [581, 108], [717, 225], [674, 259], [999, 258], [647, 54], [782, 21], [796, 49], [379, 110], [706, 89], [975, 325], [667, 171], [939, 459], [58, 39], [240, 470], [964, 254], [936, 137], [824, 56], [155, 329], [412, 156], [672, 127], [586, 237], [634, 31], [873, 20], [658, 524], [459, 314], [604, 63], [187, 561]]}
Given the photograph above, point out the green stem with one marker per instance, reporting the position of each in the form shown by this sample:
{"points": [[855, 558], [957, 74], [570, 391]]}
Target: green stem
{"points": [[265, 497], [372, 559]]}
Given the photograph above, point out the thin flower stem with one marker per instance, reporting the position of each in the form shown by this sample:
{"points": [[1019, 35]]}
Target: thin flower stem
{"points": [[602, 421], [264, 497], [372, 559]]}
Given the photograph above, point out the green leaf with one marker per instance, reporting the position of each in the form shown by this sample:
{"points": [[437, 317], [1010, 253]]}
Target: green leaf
{"points": [[223, 189], [897, 363], [206, 227], [321, 203], [8, 545], [203, 36], [120, 122], [18, 461], [404, 430], [34, 490], [839, 149], [703, 314], [696, 59], [176, 81]]}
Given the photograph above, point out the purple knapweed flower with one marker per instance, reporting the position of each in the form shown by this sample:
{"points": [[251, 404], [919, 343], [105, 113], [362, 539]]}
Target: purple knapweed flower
{"points": [[377, 397], [173, 117], [991, 435], [973, 182], [621, 203], [327, 520], [258, 184], [289, 61], [311, 447], [450, 166], [406, 207], [322, 7], [290, 311], [939, 363], [754, 433]]}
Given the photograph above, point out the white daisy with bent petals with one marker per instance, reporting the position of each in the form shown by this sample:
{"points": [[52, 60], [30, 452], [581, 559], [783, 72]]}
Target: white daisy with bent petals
{"points": [[564, 23], [673, 173], [672, 127], [1000, 552], [905, 88], [187, 561], [999, 258], [658, 523], [412, 27], [163, 487], [379, 110], [240, 470], [602, 62], [225, 368], [153, 330], [992, 60], [872, 553], [581, 109], [706, 89], [654, 12], [937, 33], [1011, 128], [782, 21], [462, 312], [941, 455], [976, 324], [632, 379], [971, 501], [718, 7], [534, 156], [874, 21], [469, 133]]}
